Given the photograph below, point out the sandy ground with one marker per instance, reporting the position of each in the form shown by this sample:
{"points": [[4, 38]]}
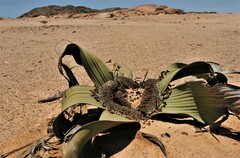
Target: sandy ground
{"points": [[28, 71]]}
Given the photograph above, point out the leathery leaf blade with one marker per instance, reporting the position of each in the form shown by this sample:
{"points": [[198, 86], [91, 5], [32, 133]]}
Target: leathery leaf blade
{"points": [[96, 69], [179, 70], [196, 100], [79, 95], [122, 71], [72, 64], [231, 97], [218, 68], [74, 95], [76, 145], [175, 66], [106, 115]]}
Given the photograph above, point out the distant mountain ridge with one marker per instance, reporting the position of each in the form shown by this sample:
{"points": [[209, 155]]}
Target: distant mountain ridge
{"points": [[81, 11], [58, 10]]}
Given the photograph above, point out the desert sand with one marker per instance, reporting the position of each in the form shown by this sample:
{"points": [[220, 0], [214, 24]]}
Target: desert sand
{"points": [[30, 48]]}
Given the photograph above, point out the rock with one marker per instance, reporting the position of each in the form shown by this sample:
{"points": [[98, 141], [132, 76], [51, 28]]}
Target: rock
{"points": [[173, 11], [105, 15], [146, 8]]}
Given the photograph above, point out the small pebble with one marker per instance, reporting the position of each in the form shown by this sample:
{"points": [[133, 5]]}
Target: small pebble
{"points": [[184, 133], [166, 135]]}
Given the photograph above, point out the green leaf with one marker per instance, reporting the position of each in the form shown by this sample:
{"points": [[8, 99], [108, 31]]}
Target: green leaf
{"points": [[192, 69], [231, 95], [72, 81], [218, 76], [79, 95], [95, 68], [122, 71], [197, 100], [162, 85], [74, 95], [218, 68], [180, 70], [175, 66], [106, 115], [72, 64], [76, 144]]}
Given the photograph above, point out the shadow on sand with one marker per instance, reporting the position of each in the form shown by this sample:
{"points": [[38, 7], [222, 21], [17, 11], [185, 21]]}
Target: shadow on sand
{"points": [[178, 119], [103, 146]]}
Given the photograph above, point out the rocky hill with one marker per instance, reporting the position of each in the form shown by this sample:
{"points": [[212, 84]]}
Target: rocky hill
{"points": [[54, 10], [59, 10]]}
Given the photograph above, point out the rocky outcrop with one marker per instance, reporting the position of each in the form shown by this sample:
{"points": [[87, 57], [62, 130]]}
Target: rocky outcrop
{"points": [[53, 10], [70, 11]]}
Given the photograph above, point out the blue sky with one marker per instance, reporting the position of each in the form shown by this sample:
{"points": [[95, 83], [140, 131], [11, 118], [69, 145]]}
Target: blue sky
{"points": [[15, 8]]}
